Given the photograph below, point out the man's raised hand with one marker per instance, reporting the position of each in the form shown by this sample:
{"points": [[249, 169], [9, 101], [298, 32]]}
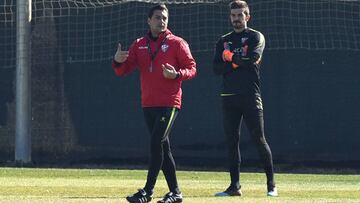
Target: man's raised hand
{"points": [[120, 56]]}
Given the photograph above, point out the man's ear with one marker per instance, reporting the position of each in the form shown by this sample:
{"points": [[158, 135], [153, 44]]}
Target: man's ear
{"points": [[247, 18], [148, 21]]}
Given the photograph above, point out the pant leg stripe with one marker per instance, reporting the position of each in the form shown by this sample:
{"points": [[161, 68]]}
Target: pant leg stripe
{"points": [[171, 120]]}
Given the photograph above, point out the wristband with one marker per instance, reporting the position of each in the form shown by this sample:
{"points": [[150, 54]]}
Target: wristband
{"points": [[178, 74]]}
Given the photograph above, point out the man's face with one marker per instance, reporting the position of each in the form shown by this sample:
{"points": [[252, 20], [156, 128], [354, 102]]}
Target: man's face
{"points": [[239, 18], [158, 22]]}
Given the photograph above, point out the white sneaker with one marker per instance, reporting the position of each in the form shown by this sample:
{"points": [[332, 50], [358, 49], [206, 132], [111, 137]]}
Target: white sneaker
{"points": [[273, 192]]}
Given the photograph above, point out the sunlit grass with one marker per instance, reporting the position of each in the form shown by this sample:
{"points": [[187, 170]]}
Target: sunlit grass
{"points": [[95, 185]]}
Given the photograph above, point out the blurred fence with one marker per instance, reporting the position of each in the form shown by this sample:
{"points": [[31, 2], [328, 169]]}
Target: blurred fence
{"points": [[81, 112]]}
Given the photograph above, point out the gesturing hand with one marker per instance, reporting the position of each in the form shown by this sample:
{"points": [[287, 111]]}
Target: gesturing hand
{"points": [[120, 56], [169, 71]]}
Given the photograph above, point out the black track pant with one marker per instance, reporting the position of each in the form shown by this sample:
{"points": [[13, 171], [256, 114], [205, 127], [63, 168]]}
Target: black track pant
{"points": [[235, 109], [160, 121]]}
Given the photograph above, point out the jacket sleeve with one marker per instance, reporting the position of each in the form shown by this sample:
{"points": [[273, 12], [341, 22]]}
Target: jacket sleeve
{"points": [[254, 55], [219, 66], [187, 64], [122, 69]]}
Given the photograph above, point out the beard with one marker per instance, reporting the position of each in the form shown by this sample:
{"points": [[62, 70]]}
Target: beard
{"points": [[237, 25]]}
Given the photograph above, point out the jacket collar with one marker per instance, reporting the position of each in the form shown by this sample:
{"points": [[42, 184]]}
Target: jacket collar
{"points": [[161, 35]]}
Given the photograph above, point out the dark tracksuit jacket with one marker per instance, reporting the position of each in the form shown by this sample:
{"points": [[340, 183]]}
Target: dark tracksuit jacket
{"points": [[248, 47]]}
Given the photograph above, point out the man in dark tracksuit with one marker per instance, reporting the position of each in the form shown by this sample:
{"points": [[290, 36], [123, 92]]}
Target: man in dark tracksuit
{"points": [[237, 58]]}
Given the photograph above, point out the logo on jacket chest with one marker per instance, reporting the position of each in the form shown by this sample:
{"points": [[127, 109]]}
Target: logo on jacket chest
{"points": [[164, 47], [243, 40], [243, 50]]}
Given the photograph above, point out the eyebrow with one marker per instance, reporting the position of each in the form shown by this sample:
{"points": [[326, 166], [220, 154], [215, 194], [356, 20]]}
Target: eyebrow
{"points": [[161, 16]]}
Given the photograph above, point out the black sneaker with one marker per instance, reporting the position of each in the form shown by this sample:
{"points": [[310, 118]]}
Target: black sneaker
{"points": [[139, 197], [171, 198], [230, 191]]}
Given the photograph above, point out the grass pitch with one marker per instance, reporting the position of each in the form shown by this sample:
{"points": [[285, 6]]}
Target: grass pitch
{"points": [[95, 185]]}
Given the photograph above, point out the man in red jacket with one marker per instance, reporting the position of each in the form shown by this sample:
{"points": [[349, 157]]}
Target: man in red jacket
{"points": [[164, 61]]}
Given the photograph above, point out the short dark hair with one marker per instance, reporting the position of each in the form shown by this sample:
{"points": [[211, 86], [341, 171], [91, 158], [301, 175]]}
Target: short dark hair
{"points": [[161, 7], [240, 4]]}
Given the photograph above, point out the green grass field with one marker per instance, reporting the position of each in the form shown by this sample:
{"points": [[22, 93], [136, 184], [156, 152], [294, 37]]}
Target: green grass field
{"points": [[95, 185]]}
